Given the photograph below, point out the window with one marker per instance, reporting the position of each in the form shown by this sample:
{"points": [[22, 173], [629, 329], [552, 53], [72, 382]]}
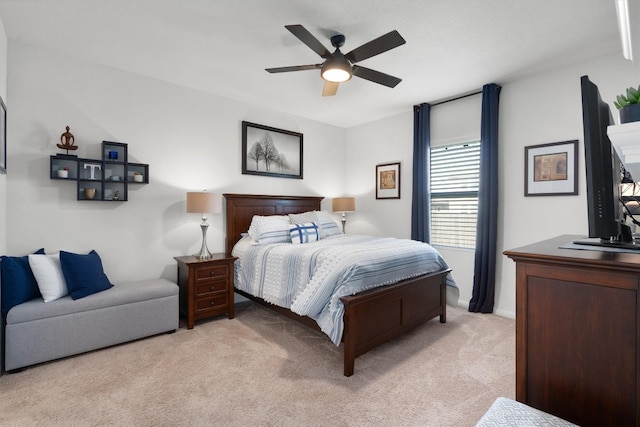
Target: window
{"points": [[455, 178]]}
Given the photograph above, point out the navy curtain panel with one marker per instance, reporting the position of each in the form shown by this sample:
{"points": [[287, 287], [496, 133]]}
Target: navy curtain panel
{"points": [[484, 276], [421, 198]]}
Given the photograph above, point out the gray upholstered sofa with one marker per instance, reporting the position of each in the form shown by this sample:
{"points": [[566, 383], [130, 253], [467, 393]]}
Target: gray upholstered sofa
{"points": [[37, 332]]}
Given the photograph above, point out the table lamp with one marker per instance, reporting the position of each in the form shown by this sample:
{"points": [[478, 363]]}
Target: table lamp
{"points": [[344, 205], [203, 203]]}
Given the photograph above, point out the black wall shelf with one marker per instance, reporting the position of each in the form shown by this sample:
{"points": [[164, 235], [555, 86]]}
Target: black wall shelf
{"points": [[107, 179]]}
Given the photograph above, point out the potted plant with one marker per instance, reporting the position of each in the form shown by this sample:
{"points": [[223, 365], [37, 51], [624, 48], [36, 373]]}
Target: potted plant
{"points": [[137, 177], [63, 172], [629, 105]]}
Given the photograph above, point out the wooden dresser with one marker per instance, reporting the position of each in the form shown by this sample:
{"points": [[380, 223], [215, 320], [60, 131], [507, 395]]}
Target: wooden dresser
{"points": [[206, 287], [577, 335]]}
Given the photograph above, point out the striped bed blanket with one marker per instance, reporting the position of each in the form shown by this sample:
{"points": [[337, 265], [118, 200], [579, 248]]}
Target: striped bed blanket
{"points": [[310, 278]]}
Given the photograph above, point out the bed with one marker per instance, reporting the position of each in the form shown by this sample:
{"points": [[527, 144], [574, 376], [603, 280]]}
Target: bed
{"points": [[371, 317]]}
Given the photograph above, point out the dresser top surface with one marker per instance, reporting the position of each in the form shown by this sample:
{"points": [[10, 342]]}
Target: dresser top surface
{"points": [[555, 250]]}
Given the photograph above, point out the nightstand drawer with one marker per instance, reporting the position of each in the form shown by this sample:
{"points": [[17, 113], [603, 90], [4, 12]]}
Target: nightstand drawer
{"points": [[212, 272], [215, 302], [211, 287]]}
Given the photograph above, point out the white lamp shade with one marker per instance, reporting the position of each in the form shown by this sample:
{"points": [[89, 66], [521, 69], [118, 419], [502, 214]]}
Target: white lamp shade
{"points": [[344, 204], [203, 202]]}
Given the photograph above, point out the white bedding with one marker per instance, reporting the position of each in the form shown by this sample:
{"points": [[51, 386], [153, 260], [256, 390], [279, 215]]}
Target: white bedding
{"points": [[310, 278]]}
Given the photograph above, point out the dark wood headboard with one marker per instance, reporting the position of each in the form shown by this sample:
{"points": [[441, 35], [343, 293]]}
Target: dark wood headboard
{"points": [[240, 209]]}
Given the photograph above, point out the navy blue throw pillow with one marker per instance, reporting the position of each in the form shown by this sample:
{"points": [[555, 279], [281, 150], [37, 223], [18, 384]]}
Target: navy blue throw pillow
{"points": [[18, 283], [83, 273]]}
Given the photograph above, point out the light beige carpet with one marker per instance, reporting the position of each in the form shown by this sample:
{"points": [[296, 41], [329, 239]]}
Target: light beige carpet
{"points": [[261, 369]]}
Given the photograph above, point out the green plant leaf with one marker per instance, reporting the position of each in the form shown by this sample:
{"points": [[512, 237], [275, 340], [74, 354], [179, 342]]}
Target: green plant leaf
{"points": [[622, 101], [633, 95]]}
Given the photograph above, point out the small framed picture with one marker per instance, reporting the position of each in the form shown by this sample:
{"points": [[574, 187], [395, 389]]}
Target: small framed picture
{"points": [[269, 151], [388, 181], [551, 169]]}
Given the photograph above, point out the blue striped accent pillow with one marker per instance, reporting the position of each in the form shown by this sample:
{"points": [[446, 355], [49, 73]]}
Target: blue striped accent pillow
{"points": [[304, 233], [328, 224], [269, 229]]}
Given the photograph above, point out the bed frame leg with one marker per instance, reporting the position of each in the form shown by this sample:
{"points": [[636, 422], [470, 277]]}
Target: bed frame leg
{"points": [[348, 366], [443, 302]]}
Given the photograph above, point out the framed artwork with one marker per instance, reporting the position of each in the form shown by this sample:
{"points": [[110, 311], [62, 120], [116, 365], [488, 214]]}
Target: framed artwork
{"points": [[269, 151], [3, 137], [551, 169], [388, 181]]}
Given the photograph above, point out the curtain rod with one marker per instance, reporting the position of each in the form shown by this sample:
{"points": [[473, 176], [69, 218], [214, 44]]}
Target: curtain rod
{"points": [[466, 95]]}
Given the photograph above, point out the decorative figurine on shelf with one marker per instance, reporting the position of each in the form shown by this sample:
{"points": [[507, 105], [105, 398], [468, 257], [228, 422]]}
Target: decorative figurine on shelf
{"points": [[116, 195], [67, 141]]}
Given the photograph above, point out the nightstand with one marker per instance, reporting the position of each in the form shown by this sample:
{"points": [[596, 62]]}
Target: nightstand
{"points": [[206, 286]]}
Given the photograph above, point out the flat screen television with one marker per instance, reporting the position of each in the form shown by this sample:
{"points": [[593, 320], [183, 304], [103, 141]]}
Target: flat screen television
{"points": [[605, 174]]}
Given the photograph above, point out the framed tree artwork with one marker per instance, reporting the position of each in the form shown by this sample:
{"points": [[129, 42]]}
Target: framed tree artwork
{"points": [[269, 151], [388, 181]]}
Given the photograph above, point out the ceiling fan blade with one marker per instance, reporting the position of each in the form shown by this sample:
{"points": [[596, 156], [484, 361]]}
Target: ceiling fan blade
{"points": [[375, 47], [294, 68], [307, 38], [330, 88], [375, 76]]}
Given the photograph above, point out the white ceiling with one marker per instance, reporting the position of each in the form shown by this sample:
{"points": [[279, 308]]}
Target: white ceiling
{"points": [[222, 47]]}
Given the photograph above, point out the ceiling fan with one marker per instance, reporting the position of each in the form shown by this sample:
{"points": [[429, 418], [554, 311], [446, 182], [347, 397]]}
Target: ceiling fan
{"points": [[339, 67]]}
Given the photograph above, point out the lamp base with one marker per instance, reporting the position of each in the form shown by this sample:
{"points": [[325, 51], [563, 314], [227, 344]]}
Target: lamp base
{"points": [[204, 251]]}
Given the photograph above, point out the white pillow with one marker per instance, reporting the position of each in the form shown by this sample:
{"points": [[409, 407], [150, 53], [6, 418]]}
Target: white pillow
{"points": [[48, 273], [328, 224], [269, 229], [301, 218], [304, 233]]}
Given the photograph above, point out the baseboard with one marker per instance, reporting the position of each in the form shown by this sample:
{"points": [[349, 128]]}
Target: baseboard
{"points": [[498, 312]]}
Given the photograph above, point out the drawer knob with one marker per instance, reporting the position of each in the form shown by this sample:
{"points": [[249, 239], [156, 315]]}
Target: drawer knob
{"points": [[212, 273], [213, 303], [213, 288]]}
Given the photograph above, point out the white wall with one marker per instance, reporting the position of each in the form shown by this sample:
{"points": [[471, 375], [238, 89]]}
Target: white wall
{"points": [[191, 141], [3, 178], [535, 110]]}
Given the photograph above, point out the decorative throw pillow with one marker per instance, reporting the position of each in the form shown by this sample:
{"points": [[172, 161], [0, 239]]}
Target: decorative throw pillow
{"points": [[328, 224], [18, 283], [304, 233], [269, 229], [48, 273], [84, 274], [306, 217]]}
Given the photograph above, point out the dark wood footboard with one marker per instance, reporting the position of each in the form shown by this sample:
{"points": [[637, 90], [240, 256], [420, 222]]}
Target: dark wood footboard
{"points": [[376, 316]]}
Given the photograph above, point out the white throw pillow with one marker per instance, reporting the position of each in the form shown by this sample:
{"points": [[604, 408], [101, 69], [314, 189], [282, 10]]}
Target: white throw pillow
{"points": [[48, 273], [269, 229], [328, 224]]}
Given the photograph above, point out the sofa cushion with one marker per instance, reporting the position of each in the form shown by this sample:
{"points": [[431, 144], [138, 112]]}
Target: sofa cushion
{"points": [[83, 273], [119, 294], [18, 283], [48, 273]]}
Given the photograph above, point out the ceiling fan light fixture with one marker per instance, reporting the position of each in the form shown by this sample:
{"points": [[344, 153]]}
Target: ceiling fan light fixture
{"points": [[336, 69], [336, 75]]}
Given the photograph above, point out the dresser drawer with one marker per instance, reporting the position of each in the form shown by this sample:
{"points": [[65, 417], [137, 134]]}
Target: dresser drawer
{"points": [[212, 303], [212, 272], [211, 287]]}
